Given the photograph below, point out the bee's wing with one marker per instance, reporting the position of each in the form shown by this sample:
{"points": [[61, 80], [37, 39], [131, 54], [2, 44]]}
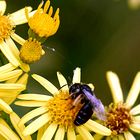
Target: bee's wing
{"points": [[98, 107]]}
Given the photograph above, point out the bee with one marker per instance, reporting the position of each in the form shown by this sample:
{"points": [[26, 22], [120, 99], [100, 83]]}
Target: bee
{"points": [[82, 93]]}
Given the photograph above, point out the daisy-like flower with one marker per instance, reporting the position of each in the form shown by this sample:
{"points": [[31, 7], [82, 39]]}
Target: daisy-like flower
{"points": [[42, 23], [54, 115], [122, 117], [7, 25], [12, 82], [6, 133]]}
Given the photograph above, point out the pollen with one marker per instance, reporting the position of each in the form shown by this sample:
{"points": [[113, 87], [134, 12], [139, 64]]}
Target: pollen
{"points": [[31, 51], [5, 27], [42, 22], [118, 118], [61, 110]]}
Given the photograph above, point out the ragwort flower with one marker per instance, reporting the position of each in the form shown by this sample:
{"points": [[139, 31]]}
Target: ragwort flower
{"points": [[54, 116], [12, 82], [42, 23], [6, 132], [7, 25], [122, 117]]}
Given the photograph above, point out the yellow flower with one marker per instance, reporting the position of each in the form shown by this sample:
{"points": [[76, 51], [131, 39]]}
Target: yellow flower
{"points": [[122, 117], [6, 133], [53, 116], [7, 25], [42, 22], [12, 82]]}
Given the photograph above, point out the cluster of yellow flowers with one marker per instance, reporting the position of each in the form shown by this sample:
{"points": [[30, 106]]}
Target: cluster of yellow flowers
{"points": [[53, 116]]}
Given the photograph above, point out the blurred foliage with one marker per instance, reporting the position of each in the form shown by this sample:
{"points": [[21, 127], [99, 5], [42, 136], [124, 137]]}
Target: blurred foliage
{"points": [[96, 35]]}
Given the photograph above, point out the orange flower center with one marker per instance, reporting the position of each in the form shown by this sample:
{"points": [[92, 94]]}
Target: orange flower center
{"points": [[61, 110], [118, 118]]}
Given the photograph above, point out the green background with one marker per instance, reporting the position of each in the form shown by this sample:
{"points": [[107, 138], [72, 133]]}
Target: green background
{"points": [[96, 35]]}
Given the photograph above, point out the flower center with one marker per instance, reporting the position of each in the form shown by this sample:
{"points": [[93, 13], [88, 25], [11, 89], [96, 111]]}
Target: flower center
{"points": [[5, 27], [61, 110], [118, 118], [42, 23], [31, 51]]}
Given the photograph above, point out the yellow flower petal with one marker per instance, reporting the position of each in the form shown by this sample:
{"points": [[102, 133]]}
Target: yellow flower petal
{"points": [[8, 94], [62, 81], [10, 75], [7, 132], [15, 120], [45, 83], [18, 39], [5, 107], [84, 133], [32, 114], [134, 91], [108, 138], [135, 110], [60, 133], [98, 137], [115, 87], [36, 124], [71, 134], [2, 6], [76, 76], [121, 137], [41, 131], [30, 103], [129, 136], [19, 17], [135, 127], [97, 128], [23, 79], [78, 137], [16, 53], [49, 133], [91, 86], [8, 54], [35, 97], [115, 138], [136, 119], [11, 87], [6, 68]]}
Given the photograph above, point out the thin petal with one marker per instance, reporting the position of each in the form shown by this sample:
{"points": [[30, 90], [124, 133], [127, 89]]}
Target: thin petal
{"points": [[32, 114], [7, 132], [135, 127], [91, 86], [16, 53], [41, 131], [45, 83], [85, 134], [8, 94], [134, 91], [5, 107], [23, 79], [8, 54], [35, 97], [19, 17], [11, 87], [62, 81], [30, 103], [79, 137], [36, 124], [49, 133], [71, 134], [18, 39], [2, 6], [6, 68], [121, 137], [98, 137], [10, 75], [135, 110], [15, 120], [60, 133], [97, 128], [108, 138], [129, 136], [136, 119], [115, 87], [76, 76]]}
